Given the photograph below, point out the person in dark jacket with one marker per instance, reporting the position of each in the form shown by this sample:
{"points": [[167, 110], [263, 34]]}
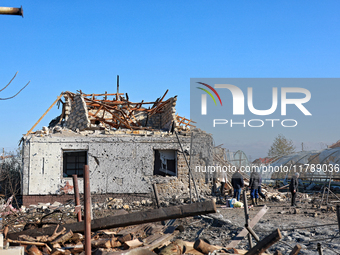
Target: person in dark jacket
{"points": [[237, 183], [260, 189], [254, 185], [293, 187]]}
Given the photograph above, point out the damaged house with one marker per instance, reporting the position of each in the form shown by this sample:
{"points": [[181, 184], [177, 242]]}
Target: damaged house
{"points": [[127, 146]]}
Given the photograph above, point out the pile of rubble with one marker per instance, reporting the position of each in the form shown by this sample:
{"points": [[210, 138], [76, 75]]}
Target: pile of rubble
{"points": [[36, 228], [143, 239]]}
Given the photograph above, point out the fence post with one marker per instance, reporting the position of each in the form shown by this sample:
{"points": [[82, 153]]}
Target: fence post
{"points": [[76, 195], [87, 207]]}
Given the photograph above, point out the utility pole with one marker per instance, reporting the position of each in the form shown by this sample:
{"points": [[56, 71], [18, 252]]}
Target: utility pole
{"points": [[117, 88], [12, 11]]}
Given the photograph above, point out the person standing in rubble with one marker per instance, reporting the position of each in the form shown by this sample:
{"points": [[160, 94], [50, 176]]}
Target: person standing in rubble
{"points": [[293, 187], [237, 183], [260, 189], [223, 182], [254, 185]]}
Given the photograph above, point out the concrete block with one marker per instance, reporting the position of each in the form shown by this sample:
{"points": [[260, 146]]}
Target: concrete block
{"points": [[16, 250]]}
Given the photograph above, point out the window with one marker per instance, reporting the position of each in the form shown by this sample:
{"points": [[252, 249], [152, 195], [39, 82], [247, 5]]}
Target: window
{"points": [[165, 163], [73, 163]]}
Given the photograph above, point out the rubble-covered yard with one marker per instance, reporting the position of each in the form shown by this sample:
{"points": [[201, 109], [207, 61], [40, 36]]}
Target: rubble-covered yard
{"points": [[305, 225], [139, 157]]}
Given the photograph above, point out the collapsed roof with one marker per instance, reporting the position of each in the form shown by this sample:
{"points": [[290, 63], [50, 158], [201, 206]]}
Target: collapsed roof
{"points": [[114, 111]]}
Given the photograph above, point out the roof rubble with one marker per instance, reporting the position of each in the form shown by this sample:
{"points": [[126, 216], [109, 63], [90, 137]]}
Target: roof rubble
{"points": [[114, 114]]}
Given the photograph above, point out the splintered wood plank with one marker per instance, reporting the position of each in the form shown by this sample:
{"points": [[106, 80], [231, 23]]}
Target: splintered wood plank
{"points": [[265, 243], [101, 107], [98, 95], [58, 98], [133, 116], [154, 108], [244, 231]]}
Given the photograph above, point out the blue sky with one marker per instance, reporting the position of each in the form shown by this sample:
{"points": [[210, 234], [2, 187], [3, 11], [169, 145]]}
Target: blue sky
{"points": [[158, 45]]}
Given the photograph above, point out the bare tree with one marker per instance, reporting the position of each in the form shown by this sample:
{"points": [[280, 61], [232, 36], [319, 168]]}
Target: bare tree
{"points": [[10, 175]]}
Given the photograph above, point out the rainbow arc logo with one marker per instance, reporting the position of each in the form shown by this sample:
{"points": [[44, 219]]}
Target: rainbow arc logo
{"points": [[204, 97]]}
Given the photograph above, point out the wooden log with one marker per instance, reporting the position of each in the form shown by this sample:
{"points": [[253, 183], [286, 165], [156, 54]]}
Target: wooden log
{"points": [[160, 241], [296, 250], [59, 251], [101, 243], [135, 218], [265, 243], [115, 243], [136, 251], [175, 248], [51, 238], [56, 245], [189, 249], [203, 247], [33, 250], [125, 238], [27, 238], [26, 242], [64, 238], [46, 250], [77, 237], [246, 216], [252, 232], [132, 244], [78, 248]]}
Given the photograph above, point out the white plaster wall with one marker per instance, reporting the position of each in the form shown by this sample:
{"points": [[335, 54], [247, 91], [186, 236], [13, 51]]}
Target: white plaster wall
{"points": [[125, 162]]}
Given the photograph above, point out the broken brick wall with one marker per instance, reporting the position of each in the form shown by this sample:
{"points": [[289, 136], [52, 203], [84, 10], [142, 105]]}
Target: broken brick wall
{"points": [[162, 120], [201, 156], [78, 115]]}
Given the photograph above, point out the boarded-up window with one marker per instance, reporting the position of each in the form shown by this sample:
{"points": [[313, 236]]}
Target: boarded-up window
{"points": [[165, 162], [73, 163]]}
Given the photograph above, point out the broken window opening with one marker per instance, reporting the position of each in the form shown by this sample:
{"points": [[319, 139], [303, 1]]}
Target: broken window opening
{"points": [[73, 163], [165, 163]]}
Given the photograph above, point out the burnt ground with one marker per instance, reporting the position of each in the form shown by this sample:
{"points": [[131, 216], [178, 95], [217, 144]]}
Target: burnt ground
{"points": [[306, 224], [294, 224]]}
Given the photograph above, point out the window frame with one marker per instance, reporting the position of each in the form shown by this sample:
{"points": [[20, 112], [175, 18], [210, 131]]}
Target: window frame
{"points": [[167, 172], [63, 165]]}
